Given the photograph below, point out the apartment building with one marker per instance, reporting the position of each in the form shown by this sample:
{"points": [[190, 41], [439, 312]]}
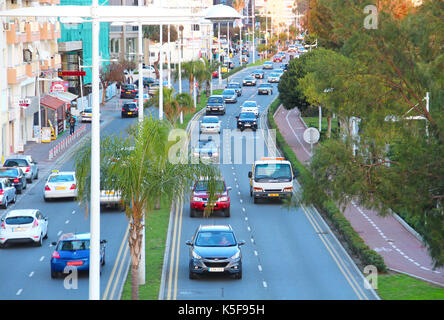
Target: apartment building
{"points": [[28, 49]]}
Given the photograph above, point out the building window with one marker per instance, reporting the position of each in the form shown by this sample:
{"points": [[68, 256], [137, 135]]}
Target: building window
{"points": [[195, 27]]}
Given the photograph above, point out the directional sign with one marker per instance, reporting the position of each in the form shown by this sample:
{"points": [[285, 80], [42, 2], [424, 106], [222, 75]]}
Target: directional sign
{"points": [[72, 73]]}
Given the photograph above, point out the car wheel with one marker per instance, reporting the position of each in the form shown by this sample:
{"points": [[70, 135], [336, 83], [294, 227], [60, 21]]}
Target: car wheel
{"points": [[192, 213], [5, 206], [36, 175], [227, 212], [238, 275], [54, 274], [192, 275], [20, 190], [14, 200], [103, 261], [46, 235], [39, 243], [255, 200], [29, 180], [45, 199]]}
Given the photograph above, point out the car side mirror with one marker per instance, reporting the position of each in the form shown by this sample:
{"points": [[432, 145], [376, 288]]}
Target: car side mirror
{"points": [[45, 218], [241, 242], [237, 117], [228, 188], [53, 243], [296, 174], [188, 243], [103, 241], [250, 174]]}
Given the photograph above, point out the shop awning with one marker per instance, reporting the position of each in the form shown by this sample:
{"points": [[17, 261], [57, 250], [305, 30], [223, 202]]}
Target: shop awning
{"points": [[65, 96], [52, 102]]}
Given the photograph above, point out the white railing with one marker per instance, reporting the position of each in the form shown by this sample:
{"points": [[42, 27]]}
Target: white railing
{"points": [[62, 145]]}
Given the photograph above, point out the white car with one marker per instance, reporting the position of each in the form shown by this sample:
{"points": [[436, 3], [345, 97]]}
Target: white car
{"points": [[7, 193], [210, 124], [86, 115], [255, 110], [23, 225], [60, 185], [110, 198]]}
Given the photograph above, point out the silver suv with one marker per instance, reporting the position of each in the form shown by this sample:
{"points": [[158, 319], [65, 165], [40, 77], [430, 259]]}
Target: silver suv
{"points": [[26, 163]]}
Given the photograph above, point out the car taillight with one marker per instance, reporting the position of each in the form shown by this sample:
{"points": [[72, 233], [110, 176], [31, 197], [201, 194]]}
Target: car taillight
{"points": [[288, 189], [257, 189], [3, 225], [73, 186], [56, 255], [47, 188], [35, 224], [16, 180], [2, 192], [123, 109], [28, 168]]}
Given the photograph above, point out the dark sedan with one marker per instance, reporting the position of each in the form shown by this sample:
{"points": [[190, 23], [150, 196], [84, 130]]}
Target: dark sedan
{"points": [[130, 109], [215, 249], [236, 87], [258, 74], [229, 95], [265, 88], [128, 91], [15, 176], [247, 120]]}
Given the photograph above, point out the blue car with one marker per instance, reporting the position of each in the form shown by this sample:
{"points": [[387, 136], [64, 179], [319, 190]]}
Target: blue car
{"points": [[72, 250]]}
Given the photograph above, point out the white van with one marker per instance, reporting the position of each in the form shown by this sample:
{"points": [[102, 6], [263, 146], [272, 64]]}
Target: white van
{"points": [[271, 178]]}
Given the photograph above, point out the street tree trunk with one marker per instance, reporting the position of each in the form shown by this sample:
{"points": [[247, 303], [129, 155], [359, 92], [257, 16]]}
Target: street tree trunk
{"points": [[328, 126], [135, 245]]}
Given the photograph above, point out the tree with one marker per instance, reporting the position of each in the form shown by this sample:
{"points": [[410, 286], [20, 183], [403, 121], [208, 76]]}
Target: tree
{"points": [[173, 104], [109, 74], [143, 167], [381, 76]]}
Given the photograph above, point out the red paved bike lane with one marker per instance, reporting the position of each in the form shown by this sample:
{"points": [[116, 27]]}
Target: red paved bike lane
{"points": [[401, 249]]}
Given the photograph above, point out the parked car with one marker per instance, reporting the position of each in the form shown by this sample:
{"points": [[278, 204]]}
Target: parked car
{"points": [[23, 225], [146, 97], [86, 115], [236, 86], [247, 120], [277, 58], [229, 95], [146, 82], [215, 104], [249, 81], [16, 177], [265, 88], [215, 74], [26, 163], [128, 91], [130, 109], [258, 74], [210, 124], [199, 197], [7, 193], [60, 185], [72, 250], [215, 249]]}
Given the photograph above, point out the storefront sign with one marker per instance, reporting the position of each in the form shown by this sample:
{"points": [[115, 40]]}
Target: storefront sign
{"points": [[59, 86]]}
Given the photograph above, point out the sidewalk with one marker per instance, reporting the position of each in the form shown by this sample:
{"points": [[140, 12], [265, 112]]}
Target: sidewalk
{"points": [[401, 249]]}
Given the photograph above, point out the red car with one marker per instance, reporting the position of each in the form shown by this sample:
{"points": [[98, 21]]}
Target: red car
{"points": [[199, 198], [215, 74], [277, 59]]}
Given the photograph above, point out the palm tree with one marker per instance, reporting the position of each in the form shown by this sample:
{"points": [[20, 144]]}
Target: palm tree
{"points": [[173, 104], [188, 71], [143, 168]]}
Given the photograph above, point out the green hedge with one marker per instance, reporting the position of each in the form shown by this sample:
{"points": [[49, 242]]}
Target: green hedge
{"points": [[349, 235]]}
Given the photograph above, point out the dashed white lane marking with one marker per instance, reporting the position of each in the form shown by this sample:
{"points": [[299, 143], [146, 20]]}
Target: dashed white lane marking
{"points": [[260, 268], [74, 211], [243, 209], [246, 218], [249, 229], [41, 258], [252, 240], [19, 292], [238, 192], [264, 284], [31, 274], [59, 233], [240, 200], [67, 221], [255, 253]]}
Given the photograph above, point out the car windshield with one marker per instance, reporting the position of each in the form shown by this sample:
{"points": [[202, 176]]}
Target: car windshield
{"points": [[265, 85], [250, 104], [274, 75], [129, 87], [215, 100], [228, 91], [62, 178], [247, 115], [249, 78], [73, 245], [8, 172], [210, 120], [272, 172], [16, 163], [130, 106], [215, 239], [202, 185], [207, 145], [87, 110], [19, 220], [233, 85]]}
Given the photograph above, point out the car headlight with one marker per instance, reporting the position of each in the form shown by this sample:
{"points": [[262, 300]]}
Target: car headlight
{"points": [[195, 255], [254, 122], [236, 255], [197, 199], [223, 199]]}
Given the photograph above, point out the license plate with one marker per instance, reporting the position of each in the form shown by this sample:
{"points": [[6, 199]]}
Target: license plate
{"points": [[60, 188], [216, 269], [128, 92], [75, 263], [215, 109], [247, 125], [209, 205], [273, 194], [130, 113], [18, 229], [109, 192]]}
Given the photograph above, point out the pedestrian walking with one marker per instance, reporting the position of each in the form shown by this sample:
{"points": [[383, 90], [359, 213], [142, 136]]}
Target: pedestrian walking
{"points": [[72, 125]]}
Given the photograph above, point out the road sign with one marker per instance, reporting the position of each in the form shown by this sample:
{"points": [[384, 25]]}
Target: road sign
{"points": [[311, 135], [72, 73], [24, 102]]}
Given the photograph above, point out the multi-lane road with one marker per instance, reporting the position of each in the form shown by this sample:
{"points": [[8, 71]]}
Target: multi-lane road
{"points": [[290, 254]]}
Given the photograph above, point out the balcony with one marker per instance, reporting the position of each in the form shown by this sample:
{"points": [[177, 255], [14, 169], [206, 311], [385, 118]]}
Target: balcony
{"points": [[14, 35], [16, 74], [32, 31], [31, 69], [57, 31]]}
